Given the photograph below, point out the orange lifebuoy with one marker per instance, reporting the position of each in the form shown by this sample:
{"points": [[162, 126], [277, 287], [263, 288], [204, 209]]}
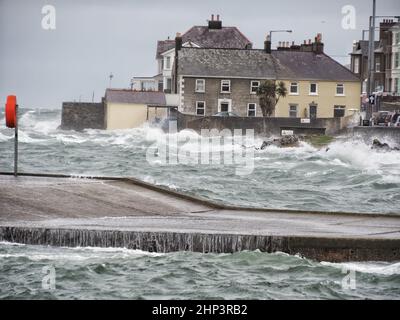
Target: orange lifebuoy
{"points": [[11, 111]]}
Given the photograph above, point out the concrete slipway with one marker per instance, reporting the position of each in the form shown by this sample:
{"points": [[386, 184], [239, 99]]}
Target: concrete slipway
{"points": [[120, 212]]}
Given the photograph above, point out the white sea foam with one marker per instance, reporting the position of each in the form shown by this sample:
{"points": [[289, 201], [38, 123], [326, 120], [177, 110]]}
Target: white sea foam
{"points": [[383, 268]]}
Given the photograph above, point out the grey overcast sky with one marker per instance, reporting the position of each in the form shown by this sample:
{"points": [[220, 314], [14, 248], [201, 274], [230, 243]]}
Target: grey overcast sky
{"points": [[93, 38]]}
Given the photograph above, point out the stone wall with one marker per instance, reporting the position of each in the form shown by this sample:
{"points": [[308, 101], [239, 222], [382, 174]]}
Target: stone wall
{"points": [[82, 115], [262, 126]]}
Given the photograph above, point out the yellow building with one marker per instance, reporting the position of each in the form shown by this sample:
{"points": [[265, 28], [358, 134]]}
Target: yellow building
{"points": [[319, 99], [126, 109]]}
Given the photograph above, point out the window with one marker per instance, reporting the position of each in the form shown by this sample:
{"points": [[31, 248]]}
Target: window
{"points": [[254, 85], [200, 108], [200, 85], [397, 60], [396, 85], [251, 109], [168, 63], [225, 86], [340, 89], [313, 89], [339, 111], [356, 65], [378, 64], [293, 111], [294, 88], [397, 37]]}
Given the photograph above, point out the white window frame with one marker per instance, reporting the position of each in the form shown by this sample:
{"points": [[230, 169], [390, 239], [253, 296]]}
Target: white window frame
{"points": [[204, 86], [223, 83], [167, 67], [297, 89], [339, 107], [255, 109], [340, 94], [356, 65], [297, 110], [228, 101], [204, 108], [316, 89], [378, 63], [396, 61], [252, 86]]}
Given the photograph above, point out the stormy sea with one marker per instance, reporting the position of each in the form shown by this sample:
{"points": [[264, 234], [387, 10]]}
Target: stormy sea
{"points": [[347, 175]]}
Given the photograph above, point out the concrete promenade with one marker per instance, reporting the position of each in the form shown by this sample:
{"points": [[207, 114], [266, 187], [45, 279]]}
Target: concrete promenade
{"points": [[114, 212]]}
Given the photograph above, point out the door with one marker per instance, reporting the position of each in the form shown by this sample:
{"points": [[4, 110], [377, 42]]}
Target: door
{"points": [[313, 112], [224, 107]]}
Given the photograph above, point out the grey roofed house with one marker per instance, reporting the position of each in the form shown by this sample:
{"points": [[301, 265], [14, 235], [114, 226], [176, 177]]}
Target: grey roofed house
{"points": [[258, 64], [206, 37], [135, 97]]}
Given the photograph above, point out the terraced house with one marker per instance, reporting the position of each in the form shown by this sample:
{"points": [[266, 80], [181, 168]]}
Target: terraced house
{"points": [[209, 81]]}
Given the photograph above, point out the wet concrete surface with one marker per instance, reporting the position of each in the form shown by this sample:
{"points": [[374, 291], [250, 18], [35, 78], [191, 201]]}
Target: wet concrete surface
{"points": [[125, 206]]}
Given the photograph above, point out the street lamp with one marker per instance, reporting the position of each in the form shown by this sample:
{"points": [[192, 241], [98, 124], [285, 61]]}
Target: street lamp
{"points": [[270, 33]]}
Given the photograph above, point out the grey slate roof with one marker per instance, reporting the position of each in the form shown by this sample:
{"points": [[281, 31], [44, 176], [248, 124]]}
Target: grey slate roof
{"points": [[135, 97], [227, 37], [257, 64], [298, 65]]}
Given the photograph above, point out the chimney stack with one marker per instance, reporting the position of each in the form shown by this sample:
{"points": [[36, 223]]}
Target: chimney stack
{"points": [[267, 44], [318, 46], [178, 42], [214, 24]]}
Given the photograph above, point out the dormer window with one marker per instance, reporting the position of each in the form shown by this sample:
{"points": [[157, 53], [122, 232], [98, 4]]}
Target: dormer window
{"points": [[225, 86]]}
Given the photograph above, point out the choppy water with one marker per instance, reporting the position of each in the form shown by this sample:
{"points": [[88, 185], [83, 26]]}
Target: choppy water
{"points": [[93, 273], [349, 177]]}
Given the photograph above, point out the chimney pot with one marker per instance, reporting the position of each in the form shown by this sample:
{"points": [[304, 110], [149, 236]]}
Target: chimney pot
{"points": [[217, 17], [212, 17]]}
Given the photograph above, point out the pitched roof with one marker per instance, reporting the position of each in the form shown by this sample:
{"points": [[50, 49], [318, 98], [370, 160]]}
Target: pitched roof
{"points": [[257, 64], [163, 46], [298, 65], [135, 97], [226, 37], [226, 63]]}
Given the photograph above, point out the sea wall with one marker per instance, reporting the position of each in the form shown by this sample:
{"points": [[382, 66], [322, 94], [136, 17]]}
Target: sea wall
{"points": [[369, 133], [321, 249], [82, 115], [262, 126]]}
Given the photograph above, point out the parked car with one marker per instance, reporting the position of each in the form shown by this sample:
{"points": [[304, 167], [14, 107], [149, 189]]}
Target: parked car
{"points": [[395, 120], [225, 114], [381, 118]]}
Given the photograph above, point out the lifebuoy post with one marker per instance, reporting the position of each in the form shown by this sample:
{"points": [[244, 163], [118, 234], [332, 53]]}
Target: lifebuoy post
{"points": [[12, 122]]}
